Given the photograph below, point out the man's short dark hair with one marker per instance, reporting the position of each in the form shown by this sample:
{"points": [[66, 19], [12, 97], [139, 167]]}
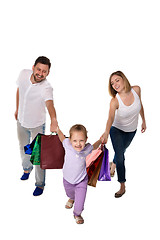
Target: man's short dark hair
{"points": [[43, 60]]}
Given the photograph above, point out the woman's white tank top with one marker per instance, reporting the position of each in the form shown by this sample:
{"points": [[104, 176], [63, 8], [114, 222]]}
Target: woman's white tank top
{"points": [[126, 117]]}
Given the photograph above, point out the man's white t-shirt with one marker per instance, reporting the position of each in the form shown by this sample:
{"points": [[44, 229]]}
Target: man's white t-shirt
{"points": [[32, 98]]}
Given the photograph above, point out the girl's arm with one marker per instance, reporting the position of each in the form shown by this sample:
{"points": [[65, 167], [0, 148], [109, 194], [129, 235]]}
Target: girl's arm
{"points": [[113, 106], [96, 144], [60, 134], [143, 126], [17, 104]]}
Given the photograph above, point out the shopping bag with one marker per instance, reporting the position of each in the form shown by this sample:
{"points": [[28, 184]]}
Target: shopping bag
{"points": [[29, 147], [52, 152], [36, 152], [93, 180], [94, 168], [104, 174], [92, 157]]}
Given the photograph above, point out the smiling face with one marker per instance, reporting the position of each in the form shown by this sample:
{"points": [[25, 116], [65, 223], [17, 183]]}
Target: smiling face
{"points": [[40, 72], [78, 140], [117, 83]]}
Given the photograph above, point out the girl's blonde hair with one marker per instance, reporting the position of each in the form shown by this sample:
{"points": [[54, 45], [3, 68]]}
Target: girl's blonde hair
{"points": [[79, 128], [127, 85]]}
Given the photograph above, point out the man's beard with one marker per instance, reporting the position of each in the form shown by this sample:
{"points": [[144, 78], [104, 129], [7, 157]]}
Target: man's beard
{"points": [[37, 80]]}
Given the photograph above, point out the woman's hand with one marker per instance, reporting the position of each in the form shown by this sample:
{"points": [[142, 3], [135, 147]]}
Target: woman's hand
{"points": [[143, 127], [104, 138]]}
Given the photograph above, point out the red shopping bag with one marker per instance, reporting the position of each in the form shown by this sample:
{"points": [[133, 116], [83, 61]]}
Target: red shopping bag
{"points": [[94, 162], [52, 152]]}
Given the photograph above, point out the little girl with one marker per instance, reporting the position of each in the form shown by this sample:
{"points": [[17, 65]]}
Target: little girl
{"points": [[75, 177]]}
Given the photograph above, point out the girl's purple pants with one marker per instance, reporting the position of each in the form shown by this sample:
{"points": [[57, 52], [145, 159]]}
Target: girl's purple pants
{"points": [[77, 192]]}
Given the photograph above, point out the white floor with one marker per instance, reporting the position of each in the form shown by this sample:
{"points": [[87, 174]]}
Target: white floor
{"points": [[86, 41], [134, 216]]}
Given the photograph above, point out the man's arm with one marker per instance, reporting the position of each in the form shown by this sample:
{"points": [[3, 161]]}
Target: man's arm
{"points": [[17, 104], [52, 113]]}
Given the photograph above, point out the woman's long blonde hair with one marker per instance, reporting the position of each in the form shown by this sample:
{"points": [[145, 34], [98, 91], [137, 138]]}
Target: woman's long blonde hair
{"points": [[127, 85]]}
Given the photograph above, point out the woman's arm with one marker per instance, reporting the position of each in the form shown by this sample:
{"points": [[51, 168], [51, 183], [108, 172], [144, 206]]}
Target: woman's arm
{"points": [[113, 106], [137, 89], [143, 126]]}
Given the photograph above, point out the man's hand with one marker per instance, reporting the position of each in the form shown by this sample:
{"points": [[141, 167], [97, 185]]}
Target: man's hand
{"points": [[16, 114], [54, 125]]}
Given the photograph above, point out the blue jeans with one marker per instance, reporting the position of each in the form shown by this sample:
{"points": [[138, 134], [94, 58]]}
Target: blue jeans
{"points": [[120, 141], [24, 136]]}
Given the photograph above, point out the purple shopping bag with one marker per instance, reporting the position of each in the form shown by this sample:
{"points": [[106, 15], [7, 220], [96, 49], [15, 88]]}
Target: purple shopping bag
{"points": [[104, 174]]}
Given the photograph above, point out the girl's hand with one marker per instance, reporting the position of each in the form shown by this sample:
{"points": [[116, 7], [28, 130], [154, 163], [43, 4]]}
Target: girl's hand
{"points": [[143, 127]]}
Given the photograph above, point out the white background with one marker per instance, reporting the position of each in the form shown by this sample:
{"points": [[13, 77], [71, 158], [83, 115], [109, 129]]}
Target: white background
{"points": [[86, 41]]}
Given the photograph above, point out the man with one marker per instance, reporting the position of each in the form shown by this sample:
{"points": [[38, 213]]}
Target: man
{"points": [[34, 93]]}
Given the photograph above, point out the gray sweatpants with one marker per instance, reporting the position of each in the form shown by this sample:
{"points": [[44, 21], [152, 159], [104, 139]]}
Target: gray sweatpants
{"points": [[25, 136]]}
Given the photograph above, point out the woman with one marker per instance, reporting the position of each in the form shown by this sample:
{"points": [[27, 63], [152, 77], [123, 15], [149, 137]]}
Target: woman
{"points": [[125, 107]]}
